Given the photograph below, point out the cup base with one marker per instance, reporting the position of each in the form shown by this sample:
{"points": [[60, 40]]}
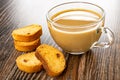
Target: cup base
{"points": [[75, 53]]}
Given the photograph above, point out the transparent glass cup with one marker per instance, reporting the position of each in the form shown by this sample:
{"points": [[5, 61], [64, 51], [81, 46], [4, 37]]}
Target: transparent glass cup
{"points": [[77, 26]]}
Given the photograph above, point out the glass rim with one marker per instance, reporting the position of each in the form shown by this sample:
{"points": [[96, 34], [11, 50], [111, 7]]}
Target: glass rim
{"points": [[83, 26]]}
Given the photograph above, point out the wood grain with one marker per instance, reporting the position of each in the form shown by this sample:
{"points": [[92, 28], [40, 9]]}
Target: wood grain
{"points": [[96, 64]]}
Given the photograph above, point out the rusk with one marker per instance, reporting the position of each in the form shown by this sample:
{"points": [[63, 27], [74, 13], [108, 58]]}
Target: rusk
{"points": [[52, 59], [26, 46], [27, 33], [28, 63]]}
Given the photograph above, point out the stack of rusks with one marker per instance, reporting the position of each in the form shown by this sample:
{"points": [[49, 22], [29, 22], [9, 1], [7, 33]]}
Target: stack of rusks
{"points": [[39, 56], [27, 38]]}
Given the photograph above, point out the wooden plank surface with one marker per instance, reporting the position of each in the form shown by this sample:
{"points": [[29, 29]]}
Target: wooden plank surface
{"points": [[97, 64]]}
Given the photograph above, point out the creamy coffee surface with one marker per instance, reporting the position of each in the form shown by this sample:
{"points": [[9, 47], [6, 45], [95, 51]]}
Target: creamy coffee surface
{"points": [[76, 29]]}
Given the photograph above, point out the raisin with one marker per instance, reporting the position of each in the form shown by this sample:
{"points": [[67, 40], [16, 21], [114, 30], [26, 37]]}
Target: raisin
{"points": [[28, 33], [25, 60], [58, 55]]}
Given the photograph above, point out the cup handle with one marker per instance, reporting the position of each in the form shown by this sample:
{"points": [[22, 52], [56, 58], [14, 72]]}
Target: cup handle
{"points": [[110, 37]]}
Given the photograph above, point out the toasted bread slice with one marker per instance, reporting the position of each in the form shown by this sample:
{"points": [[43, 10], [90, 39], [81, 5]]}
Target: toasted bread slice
{"points": [[52, 59], [26, 46], [27, 33], [29, 63]]}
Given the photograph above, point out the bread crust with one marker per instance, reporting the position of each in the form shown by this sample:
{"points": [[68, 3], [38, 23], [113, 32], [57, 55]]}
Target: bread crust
{"points": [[21, 43]]}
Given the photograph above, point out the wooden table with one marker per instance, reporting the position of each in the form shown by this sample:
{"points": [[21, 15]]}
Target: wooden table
{"points": [[97, 64]]}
